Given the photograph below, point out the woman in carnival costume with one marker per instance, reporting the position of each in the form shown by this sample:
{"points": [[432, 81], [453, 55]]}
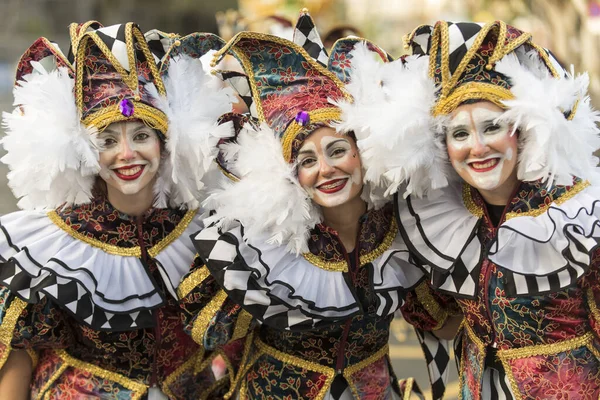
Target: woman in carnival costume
{"points": [[505, 141], [107, 150], [300, 257]]}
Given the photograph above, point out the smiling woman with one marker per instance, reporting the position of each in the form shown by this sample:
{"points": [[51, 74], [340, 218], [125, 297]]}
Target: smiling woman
{"points": [[107, 155]]}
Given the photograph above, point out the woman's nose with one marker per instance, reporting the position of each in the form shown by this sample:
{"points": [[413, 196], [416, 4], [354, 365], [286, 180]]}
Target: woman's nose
{"points": [[326, 169], [479, 148]]}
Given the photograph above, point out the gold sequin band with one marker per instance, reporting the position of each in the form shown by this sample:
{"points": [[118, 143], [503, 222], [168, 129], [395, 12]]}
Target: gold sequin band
{"points": [[137, 389], [472, 91], [569, 194], [173, 235], [7, 329], [206, 315], [354, 368], [192, 281], [152, 117], [434, 309], [242, 325], [469, 202], [342, 266]]}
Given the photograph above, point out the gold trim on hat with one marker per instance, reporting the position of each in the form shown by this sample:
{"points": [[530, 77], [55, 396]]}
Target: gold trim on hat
{"points": [[152, 117], [472, 91], [294, 129]]}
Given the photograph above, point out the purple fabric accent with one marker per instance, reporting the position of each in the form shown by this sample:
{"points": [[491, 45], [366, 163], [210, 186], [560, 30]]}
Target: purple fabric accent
{"points": [[126, 107], [303, 118]]}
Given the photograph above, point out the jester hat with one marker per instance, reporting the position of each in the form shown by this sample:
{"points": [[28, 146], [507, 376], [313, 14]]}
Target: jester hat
{"points": [[295, 88], [117, 74]]}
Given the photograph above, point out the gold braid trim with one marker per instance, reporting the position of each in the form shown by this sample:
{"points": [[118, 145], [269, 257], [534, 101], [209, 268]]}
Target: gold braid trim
{"points": [[206, 315], [430, 305], [7, 329], [575, 189], [544, 56], [591, 300], [469, 202], [150, 116], [342, 266], [469, 91], [160, 87], [51, 381], [352, 369], [192, 281], [173, 235], [107, 248], [294, 128], [482, 354], [138, 389], [242, 325], [300, 363], [408, 388]]}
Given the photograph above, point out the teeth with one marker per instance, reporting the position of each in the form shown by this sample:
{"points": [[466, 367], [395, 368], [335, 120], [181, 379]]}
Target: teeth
{"points": [[129, 171], [332, 185], [486, 164]]}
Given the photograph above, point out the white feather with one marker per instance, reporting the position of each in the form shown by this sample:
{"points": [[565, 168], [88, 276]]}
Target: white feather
{"points": [[50, 154], [552, 148], [390, 116], [268, 199], [193, 105]]}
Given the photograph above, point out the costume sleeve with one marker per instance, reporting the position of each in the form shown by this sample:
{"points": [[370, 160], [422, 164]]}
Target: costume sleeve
{"points": [[428, 310], [209, 315], [30, 327], [590, 286]]}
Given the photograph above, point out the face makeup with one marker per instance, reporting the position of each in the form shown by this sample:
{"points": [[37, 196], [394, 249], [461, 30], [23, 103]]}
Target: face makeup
{"points": [[482, 151], [329, 168], [129, 156]]}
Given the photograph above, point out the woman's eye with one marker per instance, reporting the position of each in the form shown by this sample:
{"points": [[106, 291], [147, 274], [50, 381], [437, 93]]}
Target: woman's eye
{"points": [[460, 135], [491, 128], [141, 136], [338, 152], [108, 142], [307, 162]]}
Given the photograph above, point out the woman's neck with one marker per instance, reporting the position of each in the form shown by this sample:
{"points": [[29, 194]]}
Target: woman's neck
{"points": [[135, 204], [501, 195], [345, 220]]}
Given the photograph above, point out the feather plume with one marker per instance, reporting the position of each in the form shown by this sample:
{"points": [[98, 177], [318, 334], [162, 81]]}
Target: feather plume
{"points": [[288, 215], [51, 156], [193, 105], [390, 116], [552, 148]]}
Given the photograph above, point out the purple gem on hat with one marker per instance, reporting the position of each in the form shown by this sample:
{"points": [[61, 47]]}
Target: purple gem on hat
{"points": [[126, 107], [303, 118]]}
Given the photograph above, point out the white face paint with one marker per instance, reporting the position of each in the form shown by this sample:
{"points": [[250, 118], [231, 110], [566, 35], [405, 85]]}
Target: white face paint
{"points": [[129, 156], [329, 168], [481, 151]]}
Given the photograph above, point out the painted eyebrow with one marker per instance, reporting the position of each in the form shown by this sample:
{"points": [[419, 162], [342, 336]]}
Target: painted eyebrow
{"points": [[301, 152], [334, 142]]}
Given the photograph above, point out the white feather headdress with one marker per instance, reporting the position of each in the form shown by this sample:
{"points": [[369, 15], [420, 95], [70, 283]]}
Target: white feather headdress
{"points": [[50, 153], [267, 199], [193, 104], [553, 147]]}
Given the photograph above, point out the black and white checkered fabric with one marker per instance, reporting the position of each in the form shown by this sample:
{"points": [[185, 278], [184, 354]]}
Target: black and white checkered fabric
{"points": [[114, 38], [437, 357], [307, 36], [421, 40], [158, 43], [240, 83], [220, 254], [73, 296], [461, 37]]}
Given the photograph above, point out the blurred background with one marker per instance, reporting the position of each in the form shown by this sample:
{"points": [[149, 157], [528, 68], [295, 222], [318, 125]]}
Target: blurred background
{"points": [[570, 28]]}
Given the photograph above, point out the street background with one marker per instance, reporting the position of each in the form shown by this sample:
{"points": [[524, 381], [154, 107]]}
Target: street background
{"points": [[570, 28]]}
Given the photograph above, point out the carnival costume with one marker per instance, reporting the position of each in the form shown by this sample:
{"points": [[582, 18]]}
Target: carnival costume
{"points": [[527, 284], [87, 290], [315, 317]]}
